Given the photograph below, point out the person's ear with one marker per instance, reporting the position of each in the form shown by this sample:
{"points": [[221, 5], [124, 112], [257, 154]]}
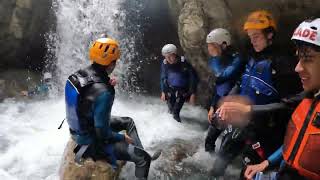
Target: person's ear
{"points": [[224, 46], [270, 36]]}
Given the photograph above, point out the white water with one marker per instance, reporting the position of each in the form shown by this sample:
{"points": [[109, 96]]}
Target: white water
{"points": [[31, 146]]}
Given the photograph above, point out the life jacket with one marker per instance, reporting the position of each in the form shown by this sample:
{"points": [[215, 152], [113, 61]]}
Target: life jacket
{"points": [[257, 82], [79, 115], [177, 75], [223, 87], [301, 149]]}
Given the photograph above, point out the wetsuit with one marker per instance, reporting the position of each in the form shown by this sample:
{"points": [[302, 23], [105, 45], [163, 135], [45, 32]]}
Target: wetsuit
{"points": [[89, 99], [265, 83], [178, 81], [226, 69]]}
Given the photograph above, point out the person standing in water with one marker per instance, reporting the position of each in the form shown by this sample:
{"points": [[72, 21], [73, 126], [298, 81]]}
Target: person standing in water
{"points": [[178, 81]]}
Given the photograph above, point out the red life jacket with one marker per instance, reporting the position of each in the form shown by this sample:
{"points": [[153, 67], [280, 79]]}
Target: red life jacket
{"points": [[302, 141]]}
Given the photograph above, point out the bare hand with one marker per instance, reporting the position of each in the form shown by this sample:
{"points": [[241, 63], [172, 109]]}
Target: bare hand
{"points": [[24, 93], [163, 96], [128, 139], [252, 170], [234, 112], [210, 114], [192, 99], [113, 81]]}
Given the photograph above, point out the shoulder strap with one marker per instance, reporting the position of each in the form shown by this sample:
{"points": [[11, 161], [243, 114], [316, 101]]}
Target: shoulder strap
{"points": [[83, 78]]}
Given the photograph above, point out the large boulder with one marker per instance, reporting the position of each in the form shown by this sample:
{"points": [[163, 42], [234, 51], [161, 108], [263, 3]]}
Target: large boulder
{"points": [[23, 24], [89, 170], [195, 19]]}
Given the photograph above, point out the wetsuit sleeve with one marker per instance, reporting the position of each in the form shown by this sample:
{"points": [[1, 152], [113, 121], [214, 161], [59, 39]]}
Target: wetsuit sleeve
{"points": [[214, 98], [101, 113], [276, 157], [163, 78], [286, 104], [267, 108], [229, 72]]}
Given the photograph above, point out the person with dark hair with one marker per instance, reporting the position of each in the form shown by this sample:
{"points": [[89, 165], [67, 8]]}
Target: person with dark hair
{"points": [[301, 145], [263, 84]]}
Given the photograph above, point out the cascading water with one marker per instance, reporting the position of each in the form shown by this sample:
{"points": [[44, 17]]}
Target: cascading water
{"points": [[31, 146]]}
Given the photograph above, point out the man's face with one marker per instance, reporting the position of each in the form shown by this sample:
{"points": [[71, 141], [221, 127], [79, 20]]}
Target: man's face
{"points": [[171, 58], [308, 68], [258, 39], [214, 49]]}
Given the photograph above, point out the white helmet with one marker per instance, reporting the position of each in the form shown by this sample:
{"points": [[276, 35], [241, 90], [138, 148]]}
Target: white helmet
{"points": [[169, 49], [47, 76], [219, 36], [308, 31]]}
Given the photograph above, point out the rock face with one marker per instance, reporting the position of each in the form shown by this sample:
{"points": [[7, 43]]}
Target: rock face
{"points": [[22, 27], [90, 170], [195, 18]]}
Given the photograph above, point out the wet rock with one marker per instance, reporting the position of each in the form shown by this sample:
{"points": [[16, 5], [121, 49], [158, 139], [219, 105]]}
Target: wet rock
{"points": [[90, 170], [23, 24], [174, 163]]}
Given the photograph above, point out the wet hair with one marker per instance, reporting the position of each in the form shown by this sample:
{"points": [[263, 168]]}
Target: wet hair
{"points": [[268, 30], [303, 47]]}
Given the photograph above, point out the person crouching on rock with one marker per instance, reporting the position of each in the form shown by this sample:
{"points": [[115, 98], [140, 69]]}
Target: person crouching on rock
{"points": [[89, 96], [178, 80]]}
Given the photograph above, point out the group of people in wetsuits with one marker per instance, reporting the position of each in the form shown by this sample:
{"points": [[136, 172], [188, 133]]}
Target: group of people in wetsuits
{"points": [[255, 94], [254, 97]]}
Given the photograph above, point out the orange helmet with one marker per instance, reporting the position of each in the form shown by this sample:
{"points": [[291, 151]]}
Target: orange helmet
{"points": [[261, 19], [104, 51]]}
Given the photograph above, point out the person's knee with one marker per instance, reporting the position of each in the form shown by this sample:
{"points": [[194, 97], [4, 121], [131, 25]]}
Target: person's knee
{"points": [[127, 119], [127, 122]]}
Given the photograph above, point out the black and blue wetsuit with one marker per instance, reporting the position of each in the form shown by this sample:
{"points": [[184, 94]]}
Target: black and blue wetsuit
{"points": [[226, 69], [178, 81], [264, 82], [89, 99]]}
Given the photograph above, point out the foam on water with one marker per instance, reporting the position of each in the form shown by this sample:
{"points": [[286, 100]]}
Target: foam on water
{"points": [[35, 145]]}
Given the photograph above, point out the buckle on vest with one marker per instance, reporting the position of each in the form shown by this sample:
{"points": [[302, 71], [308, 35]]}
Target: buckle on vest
{"points": [[256, 146]]}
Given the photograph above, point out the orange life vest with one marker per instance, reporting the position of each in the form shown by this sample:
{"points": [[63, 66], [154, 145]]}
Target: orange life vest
{"points": [[301, 149]]}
